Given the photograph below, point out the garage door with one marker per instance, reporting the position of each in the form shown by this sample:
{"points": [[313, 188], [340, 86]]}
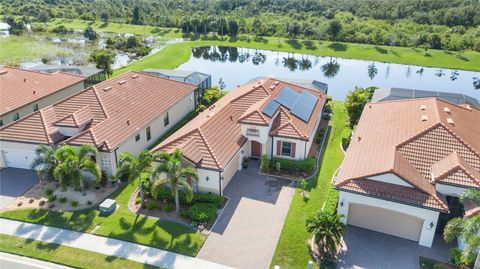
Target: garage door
{"points": [[385, 221], [18, 158]]}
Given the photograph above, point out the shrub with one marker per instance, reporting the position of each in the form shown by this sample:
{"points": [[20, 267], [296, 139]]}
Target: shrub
{"points": [[208, 198], [89, 202], [20, 204], [51, 197], [51, 206], [326, 117], [331, 202], [328, 107], [346, 137], [63, 200], [264, 165], [457, 258], [74, 203], [48, 191], [294, 166], [31, 200], [169, 207], [138, 200], [41, 203], [202, 212], [151, 205]]}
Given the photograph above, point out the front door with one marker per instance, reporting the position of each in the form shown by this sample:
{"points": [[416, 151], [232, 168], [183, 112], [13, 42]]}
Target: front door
{"points": [[256, 150]]}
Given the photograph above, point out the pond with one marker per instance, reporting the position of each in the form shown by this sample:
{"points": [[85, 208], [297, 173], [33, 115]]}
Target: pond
{"points": [[236, 66]]}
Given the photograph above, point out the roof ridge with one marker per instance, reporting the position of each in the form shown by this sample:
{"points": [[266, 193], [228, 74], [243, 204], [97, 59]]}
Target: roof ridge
{"points": [[45, 127], [40, 72], [159, 77], [255, 111], [102, 105], [209, 148], [460, 139]]}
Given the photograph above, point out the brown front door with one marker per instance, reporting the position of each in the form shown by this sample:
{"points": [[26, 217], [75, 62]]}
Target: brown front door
{"points": [[256, 149]]}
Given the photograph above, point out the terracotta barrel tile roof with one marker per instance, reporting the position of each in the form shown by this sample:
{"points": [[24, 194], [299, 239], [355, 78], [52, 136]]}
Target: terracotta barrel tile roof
{"points": [[414, 138], [116, 109], [19, 87]]}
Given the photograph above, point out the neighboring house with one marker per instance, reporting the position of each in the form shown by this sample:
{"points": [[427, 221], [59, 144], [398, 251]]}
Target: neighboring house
{"points": [[268, 117], [24, 91], [202, 80], [126, 113], [92, 74], [306, 83], [4, 29], [389, 94], [407, 164]]}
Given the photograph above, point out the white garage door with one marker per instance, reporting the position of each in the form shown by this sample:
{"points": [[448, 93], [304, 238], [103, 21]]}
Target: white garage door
{"points": [[385, 221], [18, 158]]}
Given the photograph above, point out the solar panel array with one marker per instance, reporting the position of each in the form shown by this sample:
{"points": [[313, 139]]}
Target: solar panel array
{"points": [[299, 104]]}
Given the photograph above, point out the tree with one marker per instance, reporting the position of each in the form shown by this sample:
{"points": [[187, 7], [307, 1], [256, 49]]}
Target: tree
{"points": [[136, 16], [136, 169], [72, 163], [211, 95], [467, 229], [355, 101], [222, 84], [103, 59], [44, 164], [43, 16], [233, 28], [222, 26], [171, 171], [105, 16], [257, 26], [327, 232], [90, 33], [331, 68], [334, 27]]}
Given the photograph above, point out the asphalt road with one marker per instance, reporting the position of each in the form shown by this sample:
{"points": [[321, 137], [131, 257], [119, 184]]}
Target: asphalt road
{"points": [[19, 262]]}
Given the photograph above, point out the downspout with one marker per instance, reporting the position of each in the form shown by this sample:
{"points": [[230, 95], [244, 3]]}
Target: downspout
{"points": [[305, 154], [116, 159], [220, 183], [271, 151]]}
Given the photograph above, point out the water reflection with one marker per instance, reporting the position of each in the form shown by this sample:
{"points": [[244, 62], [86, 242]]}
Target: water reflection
{"points": [[239, 65]]}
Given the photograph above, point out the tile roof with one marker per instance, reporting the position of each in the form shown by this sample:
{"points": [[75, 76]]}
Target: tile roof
{"points": [[19, 87], [114, 110], [214, 136], [409, 138]]}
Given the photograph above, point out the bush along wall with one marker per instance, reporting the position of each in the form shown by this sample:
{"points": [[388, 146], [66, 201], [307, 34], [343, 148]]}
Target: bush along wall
{"points": [[294, 166]]}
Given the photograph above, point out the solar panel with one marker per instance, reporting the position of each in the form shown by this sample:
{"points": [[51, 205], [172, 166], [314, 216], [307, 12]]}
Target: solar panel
{"points": [[304, 106], [271, 108], [287, 97]]}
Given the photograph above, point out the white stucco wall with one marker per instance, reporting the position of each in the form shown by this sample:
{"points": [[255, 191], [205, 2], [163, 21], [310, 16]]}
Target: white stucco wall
{"points": [[392, 179], [43, 102], [208, 181], [263, 132], [427, 234], [300, 148]]}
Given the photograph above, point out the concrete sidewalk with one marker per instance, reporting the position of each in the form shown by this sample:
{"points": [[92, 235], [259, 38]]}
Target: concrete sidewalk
{"points": [[12, 261], [103, 245]]}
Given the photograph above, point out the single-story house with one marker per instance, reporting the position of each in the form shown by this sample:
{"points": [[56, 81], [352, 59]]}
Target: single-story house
{"points": [[202, 80], [126, 113], [270, 116], [92, 74], [25, 91], [4, 29], [408, 162]]}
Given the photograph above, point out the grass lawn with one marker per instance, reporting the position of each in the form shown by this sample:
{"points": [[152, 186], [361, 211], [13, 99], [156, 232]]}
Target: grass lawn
{"points": [[122, 224], [15, 49], [68, 256], [292, 249]]}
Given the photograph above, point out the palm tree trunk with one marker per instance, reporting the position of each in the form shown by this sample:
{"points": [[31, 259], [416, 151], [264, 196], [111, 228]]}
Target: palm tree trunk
{"points": [[82, 187], [177, 202], [142, 194]]}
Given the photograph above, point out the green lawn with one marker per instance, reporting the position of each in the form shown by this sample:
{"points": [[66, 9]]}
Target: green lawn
{"points": [[68, 256], [15, 49], [123, 225], [292, 250]]}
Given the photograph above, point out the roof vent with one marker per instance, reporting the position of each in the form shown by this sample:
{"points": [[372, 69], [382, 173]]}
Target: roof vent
{"points": [[423, 107], [467, 106], [128, 122], [106, 89], [3, 71], [34, 92], [121, 82], [272, 87], [135, 76], [450, 121], [424, 118], [253, 87], [446, 109], [359, 138], [24, 80], [231, 118], [276, 83]]}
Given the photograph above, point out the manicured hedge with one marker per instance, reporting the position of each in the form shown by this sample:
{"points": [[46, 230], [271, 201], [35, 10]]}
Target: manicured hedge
{"points": [[294, 166], [165, 193], [209, 198], [202, 212], [331, 202]]}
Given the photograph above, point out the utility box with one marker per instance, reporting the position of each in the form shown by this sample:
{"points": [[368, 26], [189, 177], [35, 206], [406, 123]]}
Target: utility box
{"points": [[107, 207]]}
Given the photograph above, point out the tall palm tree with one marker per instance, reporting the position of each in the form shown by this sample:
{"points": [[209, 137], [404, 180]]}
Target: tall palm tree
{"points": [[72, 163], [44, 164], [171, 171], [331, 68], [467, 229], [327, 230], [136, 168]]}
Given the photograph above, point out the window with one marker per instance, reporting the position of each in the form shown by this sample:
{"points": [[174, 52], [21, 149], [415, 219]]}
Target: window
{"points": [[16, 116], [253, 132], [137, 137], [1, 122], [166, 121], [35, 107], [149, 135], [286, 148]]}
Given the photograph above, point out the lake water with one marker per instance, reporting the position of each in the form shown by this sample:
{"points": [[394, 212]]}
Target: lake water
{"points": [[236, 66]]}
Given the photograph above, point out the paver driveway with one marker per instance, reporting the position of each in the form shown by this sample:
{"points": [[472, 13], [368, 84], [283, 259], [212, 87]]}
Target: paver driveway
{"points": [[14, 182], [363, 248], [247, 232]]}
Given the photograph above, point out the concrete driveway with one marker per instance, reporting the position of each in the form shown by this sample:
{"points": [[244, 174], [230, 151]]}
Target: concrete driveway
{"points": [[247, 232], [14, 182], [363, 248]]}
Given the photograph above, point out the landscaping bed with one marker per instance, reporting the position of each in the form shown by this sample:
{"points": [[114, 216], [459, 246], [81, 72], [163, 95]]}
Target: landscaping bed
{"points": [[426, 263]]}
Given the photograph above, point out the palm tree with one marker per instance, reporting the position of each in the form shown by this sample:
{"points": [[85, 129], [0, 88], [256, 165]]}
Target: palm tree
{"points": [[44, 164], [327, 231], [72, 163], [467, 229], [136, 169], [331, 68], [170, 170]]}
